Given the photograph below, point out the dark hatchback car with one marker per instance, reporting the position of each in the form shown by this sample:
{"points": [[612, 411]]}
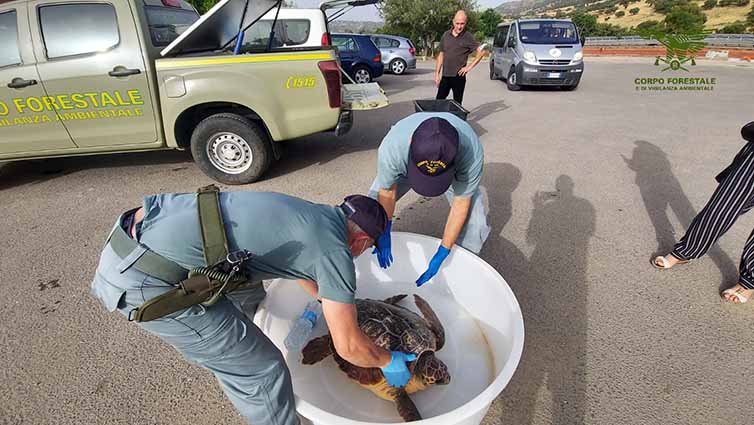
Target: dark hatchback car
{"points": [[359, 57]]}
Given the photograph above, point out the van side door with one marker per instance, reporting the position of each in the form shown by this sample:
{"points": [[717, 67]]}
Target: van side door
{"points": [[509, 51], [26, 128], [498, 48], [93, 68]]}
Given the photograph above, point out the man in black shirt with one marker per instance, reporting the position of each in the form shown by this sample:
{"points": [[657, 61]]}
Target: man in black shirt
{"points": [[455, 47]]}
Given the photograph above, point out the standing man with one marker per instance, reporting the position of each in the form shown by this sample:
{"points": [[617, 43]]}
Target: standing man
{"points": [[433, 153], [456, 45], [151, 249]]}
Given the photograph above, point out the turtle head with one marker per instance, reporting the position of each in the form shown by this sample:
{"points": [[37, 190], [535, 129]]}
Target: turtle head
{"points": [[432, 370]]}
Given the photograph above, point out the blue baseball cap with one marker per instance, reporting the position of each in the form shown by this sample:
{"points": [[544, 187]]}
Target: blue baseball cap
{"points": [[367, 213], [431, 158]]}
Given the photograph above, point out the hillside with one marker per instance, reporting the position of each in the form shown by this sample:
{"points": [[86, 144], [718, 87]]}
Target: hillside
{"points": [[717, 17]]}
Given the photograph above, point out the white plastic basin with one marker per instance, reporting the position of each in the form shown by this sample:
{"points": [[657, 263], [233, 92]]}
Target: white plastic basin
{"points": [[483, 326]]}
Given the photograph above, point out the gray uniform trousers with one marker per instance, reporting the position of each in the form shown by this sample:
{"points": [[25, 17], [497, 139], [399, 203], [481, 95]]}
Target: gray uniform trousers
{"points": [[476, 229], [221, 338], [733, 197]]}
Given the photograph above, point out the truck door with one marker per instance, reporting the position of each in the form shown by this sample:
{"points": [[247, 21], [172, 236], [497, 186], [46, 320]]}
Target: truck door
{"points": [[25, 129], [93, 70]]}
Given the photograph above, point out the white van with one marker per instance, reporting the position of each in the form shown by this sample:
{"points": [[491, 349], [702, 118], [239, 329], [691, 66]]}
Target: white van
{"points": [[538, 52]]}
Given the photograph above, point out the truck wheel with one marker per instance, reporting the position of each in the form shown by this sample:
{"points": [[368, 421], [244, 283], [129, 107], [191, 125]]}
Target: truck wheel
{"points": [[398, 66], [362, 75], [231, 149], [511, 81]]}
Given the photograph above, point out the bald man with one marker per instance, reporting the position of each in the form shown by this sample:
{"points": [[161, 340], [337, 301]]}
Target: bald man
{"points": [[456, 45]]}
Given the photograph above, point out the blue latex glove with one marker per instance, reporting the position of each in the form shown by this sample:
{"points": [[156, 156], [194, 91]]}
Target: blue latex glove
{"points": [[397, 373], [434, 265], [384, 254]]}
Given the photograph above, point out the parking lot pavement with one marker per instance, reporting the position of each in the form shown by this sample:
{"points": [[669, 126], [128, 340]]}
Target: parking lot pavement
{"points": [[584, 187]]}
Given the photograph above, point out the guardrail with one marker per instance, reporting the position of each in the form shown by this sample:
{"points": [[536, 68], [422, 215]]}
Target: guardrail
{"points": [[713, 40]]}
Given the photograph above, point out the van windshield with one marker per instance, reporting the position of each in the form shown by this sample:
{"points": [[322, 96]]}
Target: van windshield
{"points": [[548, 32]]}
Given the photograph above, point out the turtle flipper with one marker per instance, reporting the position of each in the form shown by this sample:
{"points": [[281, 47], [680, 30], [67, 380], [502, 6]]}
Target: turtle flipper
{"points": [[432, 321], [406, 408], [317, 350], [394, 299]]}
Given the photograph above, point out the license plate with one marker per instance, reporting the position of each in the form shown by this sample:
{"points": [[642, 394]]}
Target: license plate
{"points": [[553, 75]]}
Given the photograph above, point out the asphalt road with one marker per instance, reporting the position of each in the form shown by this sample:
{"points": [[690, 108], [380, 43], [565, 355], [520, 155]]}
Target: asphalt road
{"points": [[584, 187]]}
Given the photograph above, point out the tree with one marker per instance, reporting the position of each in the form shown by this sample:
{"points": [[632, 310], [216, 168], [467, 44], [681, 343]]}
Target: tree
{"points": [[488, 21], [735, 3], [665, 6], [685, 18], [424, 21], [620, 14], [738, 27], [750, 19], [586, 23], [709, 4], [634, 11], [202, 6]]}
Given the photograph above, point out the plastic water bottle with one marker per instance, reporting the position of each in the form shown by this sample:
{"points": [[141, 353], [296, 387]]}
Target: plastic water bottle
{"points": [[302, 329]]}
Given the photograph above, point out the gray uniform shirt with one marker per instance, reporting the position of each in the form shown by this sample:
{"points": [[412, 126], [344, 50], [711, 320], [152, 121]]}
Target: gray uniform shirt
{"points": [[290, 238], [392, 157], [456, 51]]}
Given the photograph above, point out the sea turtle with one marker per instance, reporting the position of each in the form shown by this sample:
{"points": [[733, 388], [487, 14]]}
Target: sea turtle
{"points": [[394, 328]]}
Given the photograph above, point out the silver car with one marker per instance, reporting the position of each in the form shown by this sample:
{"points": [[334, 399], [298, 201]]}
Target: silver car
{"points": [[398, 53]]}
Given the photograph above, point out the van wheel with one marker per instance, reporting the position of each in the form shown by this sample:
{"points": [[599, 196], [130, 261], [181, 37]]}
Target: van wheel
{"points": [[362, 75], [512, 81], [231, 149], [398, 66]]}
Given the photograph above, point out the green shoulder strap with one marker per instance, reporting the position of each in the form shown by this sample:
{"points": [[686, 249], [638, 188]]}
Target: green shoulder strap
{"points": [[211, 223]]}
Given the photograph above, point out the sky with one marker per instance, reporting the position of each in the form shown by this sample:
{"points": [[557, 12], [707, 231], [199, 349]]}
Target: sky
{"points": [[369, 13]]}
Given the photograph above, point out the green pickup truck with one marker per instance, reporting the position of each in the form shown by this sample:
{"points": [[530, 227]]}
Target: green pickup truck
{"points": [[81, 77]]}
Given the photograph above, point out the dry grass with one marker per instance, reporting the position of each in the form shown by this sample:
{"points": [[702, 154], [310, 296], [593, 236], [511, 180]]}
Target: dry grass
{"points": [[716, 18]]}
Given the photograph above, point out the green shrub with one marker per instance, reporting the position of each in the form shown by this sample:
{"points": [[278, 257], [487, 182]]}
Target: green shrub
{"points": [[634, 11], [734, 28], [685, 18], [709, 4], [620, 14], [733, 3]]}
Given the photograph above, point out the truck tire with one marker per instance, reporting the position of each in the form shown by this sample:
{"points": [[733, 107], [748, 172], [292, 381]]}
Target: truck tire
{"points": [[231, 149], [511, 80]]}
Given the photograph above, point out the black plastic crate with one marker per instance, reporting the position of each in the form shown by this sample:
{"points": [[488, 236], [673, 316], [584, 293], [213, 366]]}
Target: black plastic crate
{"points": [[446, 105]]}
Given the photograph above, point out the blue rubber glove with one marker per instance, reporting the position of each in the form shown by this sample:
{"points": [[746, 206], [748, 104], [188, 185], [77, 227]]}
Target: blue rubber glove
{"points": [[434, 265], [397, 373], [384, 254]]}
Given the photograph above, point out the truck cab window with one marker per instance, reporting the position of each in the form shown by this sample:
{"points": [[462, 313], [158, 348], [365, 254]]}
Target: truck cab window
{"points": [[166, 24], [288, 33], [9, 54], [77, 29]]}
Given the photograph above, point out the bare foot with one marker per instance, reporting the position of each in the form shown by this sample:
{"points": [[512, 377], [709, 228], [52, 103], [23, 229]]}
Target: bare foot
{"points": [[737, 294], [667, 261]]}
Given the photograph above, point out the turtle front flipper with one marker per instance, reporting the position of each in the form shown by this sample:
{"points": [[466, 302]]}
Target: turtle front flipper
{"points": [[317, 350], [432, 321], [394, 299], [406, 408]]}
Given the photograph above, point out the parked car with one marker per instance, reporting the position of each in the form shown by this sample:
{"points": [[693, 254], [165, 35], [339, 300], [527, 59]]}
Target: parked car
{"points": [[398, 53], [359, 57], [538, 52]]}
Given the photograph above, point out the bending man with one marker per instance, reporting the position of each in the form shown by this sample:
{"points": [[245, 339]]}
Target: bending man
{"points": [[290, 238]]}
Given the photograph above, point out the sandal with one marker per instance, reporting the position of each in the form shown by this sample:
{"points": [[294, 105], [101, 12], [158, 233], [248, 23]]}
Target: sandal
{"points": [[737, 292], [665, 264]]}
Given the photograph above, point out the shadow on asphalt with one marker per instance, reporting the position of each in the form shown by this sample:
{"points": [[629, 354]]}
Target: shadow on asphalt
{"points": [[483, 111], [37, 171], [662, 193]]}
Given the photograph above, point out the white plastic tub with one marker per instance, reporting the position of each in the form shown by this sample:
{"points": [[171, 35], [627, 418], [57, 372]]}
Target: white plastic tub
{"points": [[483, 326]]}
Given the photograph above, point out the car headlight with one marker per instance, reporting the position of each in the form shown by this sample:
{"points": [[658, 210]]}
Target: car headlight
{"points": [[530, 57], [578, 56]]}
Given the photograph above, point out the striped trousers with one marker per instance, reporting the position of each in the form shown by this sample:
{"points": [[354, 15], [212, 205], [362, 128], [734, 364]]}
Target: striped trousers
{"points": [[733, 197]]}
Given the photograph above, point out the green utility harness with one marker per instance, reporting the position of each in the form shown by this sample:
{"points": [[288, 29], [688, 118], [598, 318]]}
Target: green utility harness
{"points": [[204, 285]]}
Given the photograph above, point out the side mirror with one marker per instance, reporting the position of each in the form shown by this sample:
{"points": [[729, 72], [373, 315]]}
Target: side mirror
{"points": [[511, 43], [583, 39]]}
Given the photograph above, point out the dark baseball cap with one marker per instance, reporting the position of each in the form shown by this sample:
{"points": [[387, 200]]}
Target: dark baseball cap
{"points": [[747, 132], [367, 213], [431, 157]]}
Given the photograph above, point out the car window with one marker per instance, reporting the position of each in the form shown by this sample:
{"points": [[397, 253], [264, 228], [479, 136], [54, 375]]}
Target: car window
{"points": [[288, 32], [500, 39], [166, 24], [345, 44], [511, 34], [77, 29], [9, 53], [381, 42], [395, 43]]}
